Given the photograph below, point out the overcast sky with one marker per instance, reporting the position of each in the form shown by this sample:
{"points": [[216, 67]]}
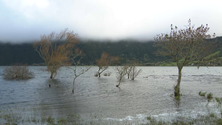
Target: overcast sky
{"points": [[25, 20]]}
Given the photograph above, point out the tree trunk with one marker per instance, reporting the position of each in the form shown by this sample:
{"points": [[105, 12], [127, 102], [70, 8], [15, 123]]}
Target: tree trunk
{"points": [[121, 77], [51, 76], [118, 84], [98, 73], [50, 81], [177, 87], [73, 83]]}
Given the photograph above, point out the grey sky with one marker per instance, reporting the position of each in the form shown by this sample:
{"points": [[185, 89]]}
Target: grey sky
{"points": [[25, 20]]}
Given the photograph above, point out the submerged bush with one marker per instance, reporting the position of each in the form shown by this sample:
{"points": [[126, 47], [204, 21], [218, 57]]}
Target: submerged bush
{"points": [[209, 96], [177, 98], [107, 74], [96, 74], [121, 72], [17, 72], [218, 100], [202, 94]]}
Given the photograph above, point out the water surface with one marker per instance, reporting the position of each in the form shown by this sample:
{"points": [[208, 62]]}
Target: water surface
{"points": [[98, 98]]}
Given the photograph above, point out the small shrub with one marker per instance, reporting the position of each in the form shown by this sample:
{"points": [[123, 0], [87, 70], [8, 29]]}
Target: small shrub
{"points": [[107, 74], [149, 118], [43, 119], [50, 120], [202, 94], [61, 121], [212, 115], [96, 75], [177, 97], [219, 122], [17, 72], [209, 96], [218, 100]]}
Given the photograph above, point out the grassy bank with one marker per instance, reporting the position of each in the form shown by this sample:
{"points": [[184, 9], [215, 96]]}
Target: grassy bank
{"points": [[11, 118]]}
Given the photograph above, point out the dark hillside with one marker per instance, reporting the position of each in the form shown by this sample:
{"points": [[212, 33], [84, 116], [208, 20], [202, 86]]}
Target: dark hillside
{"points": [[144, 52]]}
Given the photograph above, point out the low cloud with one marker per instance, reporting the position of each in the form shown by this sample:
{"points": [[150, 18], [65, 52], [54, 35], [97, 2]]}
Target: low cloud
{"points": [[138, 19]]}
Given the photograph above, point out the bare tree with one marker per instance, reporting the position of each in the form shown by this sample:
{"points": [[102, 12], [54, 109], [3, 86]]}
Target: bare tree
{"points": [[17, 72], [76, 58], [104, 62], [121, 72], [185, 46], [54, 52], [131, 70], [134, 73]]}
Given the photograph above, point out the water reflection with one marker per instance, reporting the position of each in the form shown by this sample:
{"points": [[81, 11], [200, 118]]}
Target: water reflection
{"points": [[57, 99]]}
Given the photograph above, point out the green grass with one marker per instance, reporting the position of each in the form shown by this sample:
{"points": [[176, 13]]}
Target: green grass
{"points": [[50, 120], [210, 57], [210, 119]]}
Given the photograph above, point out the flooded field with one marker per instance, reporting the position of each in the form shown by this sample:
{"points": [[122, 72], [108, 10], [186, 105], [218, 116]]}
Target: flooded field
{"points": [[99, 98]]}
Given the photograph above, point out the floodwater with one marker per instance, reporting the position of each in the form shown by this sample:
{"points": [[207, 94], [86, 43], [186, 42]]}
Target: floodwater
{"points": [[99, 98]]}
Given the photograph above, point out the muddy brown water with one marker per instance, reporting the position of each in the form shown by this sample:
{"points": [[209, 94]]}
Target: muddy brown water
{"points": [[98, 98]]}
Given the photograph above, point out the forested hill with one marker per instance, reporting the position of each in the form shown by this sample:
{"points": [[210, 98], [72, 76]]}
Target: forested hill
{"points": [[141, 51], [25, 53], [144, 52]]}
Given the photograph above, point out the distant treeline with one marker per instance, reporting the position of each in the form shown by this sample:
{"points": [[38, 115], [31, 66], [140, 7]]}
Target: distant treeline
{"points": [[25, 53], [144, 52]]}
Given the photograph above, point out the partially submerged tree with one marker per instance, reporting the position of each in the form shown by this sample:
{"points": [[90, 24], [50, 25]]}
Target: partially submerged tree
{"points": [[132, 71], [129, 68], [121, 72], [185, 46], [17, 72], [104, 62], [55, 49], [78, 71]]}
